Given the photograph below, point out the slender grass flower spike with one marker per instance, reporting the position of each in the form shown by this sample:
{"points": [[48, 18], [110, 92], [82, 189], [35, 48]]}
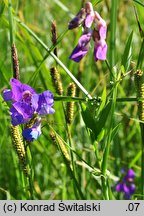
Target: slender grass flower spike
{"points": [[94, 27], [127, 185], [25, 104]]}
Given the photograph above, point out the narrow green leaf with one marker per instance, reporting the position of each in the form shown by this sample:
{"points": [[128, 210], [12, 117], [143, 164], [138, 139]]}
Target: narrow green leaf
{"points": [[115, 130], [141, 56], [104, 115], [103, 99], [95, 2], [88, 117], [113, 25], [2, 7], [126, 58], [138, 2]]}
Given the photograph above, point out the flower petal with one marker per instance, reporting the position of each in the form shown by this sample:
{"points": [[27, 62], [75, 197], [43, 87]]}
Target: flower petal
{"points": [[82, 48], [7, 95], [89, 20], [42, 103], [100, 50], [18, 89], [16, 117], [102, 31], [77, 20], [130, 175], [30, 134], [24, 109], [78, 53], [119, 187]]}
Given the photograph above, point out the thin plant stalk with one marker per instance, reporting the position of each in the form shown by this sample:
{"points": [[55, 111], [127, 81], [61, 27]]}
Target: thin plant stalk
{"points": [[11, 24], [80, 99], [107, 148], [142, 159], [113, 22]]}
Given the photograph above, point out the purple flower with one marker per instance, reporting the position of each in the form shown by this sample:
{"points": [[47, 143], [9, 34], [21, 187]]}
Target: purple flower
{"points": [[82, 48], [42, 103], [90, 19], [7, 95], [130, 175], [21, 113], [25, 102], [100, 50], [89, 14], [100, 25], [34, 132], [127, 185], [19, 92], [77, 20]]}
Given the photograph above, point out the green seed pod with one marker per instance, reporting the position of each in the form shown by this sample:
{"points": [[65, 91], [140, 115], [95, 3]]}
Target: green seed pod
{"points": [[56, 80], [139, 81], [71, 91], [19, 147]]}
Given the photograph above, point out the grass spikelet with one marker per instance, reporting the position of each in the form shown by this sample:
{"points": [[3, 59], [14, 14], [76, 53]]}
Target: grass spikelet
{"points": [[71, 91], [139, 81], [56, 80], [32, 121], [54, 36], [59, 142], [19, 147], [15, 61]]}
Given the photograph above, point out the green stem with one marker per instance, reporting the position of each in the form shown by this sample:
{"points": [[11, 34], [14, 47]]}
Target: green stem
{"points": [[141, 56], [29, 161], [107, 148], [11, 23], [56, 58], [75, 183], [142, 160], [77, 99], [113, 22]]}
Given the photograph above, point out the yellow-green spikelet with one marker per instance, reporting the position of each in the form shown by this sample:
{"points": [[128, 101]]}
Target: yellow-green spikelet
{"points": [[56, 79], [71, 91], [59, 142], [139, 81], [32, 121], [19, 147]]}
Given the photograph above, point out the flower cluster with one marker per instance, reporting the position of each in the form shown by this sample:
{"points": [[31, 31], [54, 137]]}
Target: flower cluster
{"points": [[88, 18], [127, 185], [26, 104]]}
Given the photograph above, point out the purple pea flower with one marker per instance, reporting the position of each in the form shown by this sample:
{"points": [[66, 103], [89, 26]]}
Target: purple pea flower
{"points": [[25, 102], [82, 48], [92, 22], [127, 185], [19, 92], [77, 20], [130, 175], [34, 132], [42, 103], [100, 50], [21, 113], [100, 25], [89, 14]]}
